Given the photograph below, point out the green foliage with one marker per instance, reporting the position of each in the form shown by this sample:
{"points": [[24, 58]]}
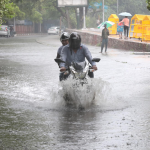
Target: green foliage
{"points": [[95, 13], [30, 9], [9, 10], [148, 4], [50, 10], [36, 16], [6, 10], [18, 14], [39, 10], [131, 6], [134, 6], [90, 22]]}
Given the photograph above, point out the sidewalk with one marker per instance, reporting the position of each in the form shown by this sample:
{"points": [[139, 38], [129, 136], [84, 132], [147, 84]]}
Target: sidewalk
{"points": [[97, 31], [27, 34], [93, 37]]}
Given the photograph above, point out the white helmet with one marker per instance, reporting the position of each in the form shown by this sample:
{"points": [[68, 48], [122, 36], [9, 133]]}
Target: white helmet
{"points": [[64, 36]]}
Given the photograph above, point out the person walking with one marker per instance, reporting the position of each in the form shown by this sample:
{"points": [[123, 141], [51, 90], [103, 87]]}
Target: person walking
{"points": [[11, 31], [120, 29], [105, 34], [126, 27]]}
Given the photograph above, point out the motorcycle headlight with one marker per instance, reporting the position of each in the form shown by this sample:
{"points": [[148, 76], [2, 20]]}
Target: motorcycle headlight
{"points": [[80, 75]]}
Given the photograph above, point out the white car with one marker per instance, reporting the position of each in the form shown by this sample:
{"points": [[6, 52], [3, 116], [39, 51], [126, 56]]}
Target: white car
{"points": [[53, 30], [4, 31]]}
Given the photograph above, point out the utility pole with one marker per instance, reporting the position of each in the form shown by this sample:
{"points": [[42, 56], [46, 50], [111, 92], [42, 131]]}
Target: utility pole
{"points": [[68, 18], [78, 13], [103, 10], [14, 24], [40, 27], [84, 23], [60, 26], [117, 7]]}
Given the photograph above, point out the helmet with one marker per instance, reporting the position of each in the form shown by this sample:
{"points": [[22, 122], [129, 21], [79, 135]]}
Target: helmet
{"points": [[75, 40], [64, 36]]}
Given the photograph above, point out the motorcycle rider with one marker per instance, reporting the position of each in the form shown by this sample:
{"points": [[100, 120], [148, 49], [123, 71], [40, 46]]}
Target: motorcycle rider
{"points": [[64, 38], [76, 52]]}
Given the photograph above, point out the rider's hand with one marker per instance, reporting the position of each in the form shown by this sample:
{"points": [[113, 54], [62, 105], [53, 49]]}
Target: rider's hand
{"points": [[62, 69], [94, 67]]}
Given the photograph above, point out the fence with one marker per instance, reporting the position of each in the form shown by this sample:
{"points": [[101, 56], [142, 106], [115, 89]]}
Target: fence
{"points": [[23, 29]]}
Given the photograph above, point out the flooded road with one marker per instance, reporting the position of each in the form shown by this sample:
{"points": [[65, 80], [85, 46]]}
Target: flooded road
{"points": [[33, 115]]}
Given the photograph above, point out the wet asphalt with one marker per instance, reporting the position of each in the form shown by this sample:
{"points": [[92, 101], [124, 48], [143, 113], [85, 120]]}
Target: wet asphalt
{"points": [[32, 111]]}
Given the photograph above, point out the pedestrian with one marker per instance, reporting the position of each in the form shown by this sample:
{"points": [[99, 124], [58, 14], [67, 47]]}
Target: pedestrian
{"points": [[64, 38], [120, 29], [11, 31], [105, 34], [126, 27], [76, 52]]}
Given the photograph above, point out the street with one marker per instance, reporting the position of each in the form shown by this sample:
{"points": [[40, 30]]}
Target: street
{"points": [[33, 116]]}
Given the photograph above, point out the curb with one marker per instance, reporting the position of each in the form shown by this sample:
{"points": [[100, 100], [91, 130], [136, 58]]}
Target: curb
{"points": [[28, 34], [129, 45], [41, 42]]}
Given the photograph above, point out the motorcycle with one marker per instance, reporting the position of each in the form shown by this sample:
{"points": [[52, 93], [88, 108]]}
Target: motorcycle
{"points": [[78, 70], [78, 73]]}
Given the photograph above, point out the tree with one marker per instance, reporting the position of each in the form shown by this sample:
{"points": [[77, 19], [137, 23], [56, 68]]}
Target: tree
{"points": [[57, 12], [148, 4], [37, 10], [133, 6], [31, 9], [95, 13], [36, 16], [9, 10]]}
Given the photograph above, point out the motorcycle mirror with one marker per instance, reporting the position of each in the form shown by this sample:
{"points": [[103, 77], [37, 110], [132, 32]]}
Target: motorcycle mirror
{"points": [[58, 60], [96, 59]]}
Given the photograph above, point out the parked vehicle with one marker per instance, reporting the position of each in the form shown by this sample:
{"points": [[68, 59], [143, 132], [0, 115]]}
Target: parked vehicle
{"points": [[4, 31], [53, 30]]}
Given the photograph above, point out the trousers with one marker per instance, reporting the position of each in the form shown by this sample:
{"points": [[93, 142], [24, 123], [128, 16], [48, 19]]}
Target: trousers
{"points": [[126, 30], [104, 42]]}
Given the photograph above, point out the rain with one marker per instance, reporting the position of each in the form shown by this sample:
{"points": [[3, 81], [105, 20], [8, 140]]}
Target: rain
{"points": [[40, 112]]}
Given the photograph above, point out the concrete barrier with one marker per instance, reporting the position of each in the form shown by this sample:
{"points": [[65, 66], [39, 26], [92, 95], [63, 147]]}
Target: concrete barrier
{"points": [[95, 39]]}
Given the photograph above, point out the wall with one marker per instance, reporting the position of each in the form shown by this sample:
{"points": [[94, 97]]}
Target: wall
{"points": [[94, 39]]}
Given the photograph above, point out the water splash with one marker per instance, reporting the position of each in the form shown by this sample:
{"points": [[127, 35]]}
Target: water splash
{"points": [[95, 92]]}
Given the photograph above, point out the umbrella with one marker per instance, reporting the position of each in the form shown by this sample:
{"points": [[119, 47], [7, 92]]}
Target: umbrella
{"points": [[125, 14], [108, 23]]}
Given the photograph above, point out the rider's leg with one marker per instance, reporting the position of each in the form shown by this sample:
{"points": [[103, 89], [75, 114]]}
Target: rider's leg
{"points": [[66, 76], [91, 74], [61, 76]]}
